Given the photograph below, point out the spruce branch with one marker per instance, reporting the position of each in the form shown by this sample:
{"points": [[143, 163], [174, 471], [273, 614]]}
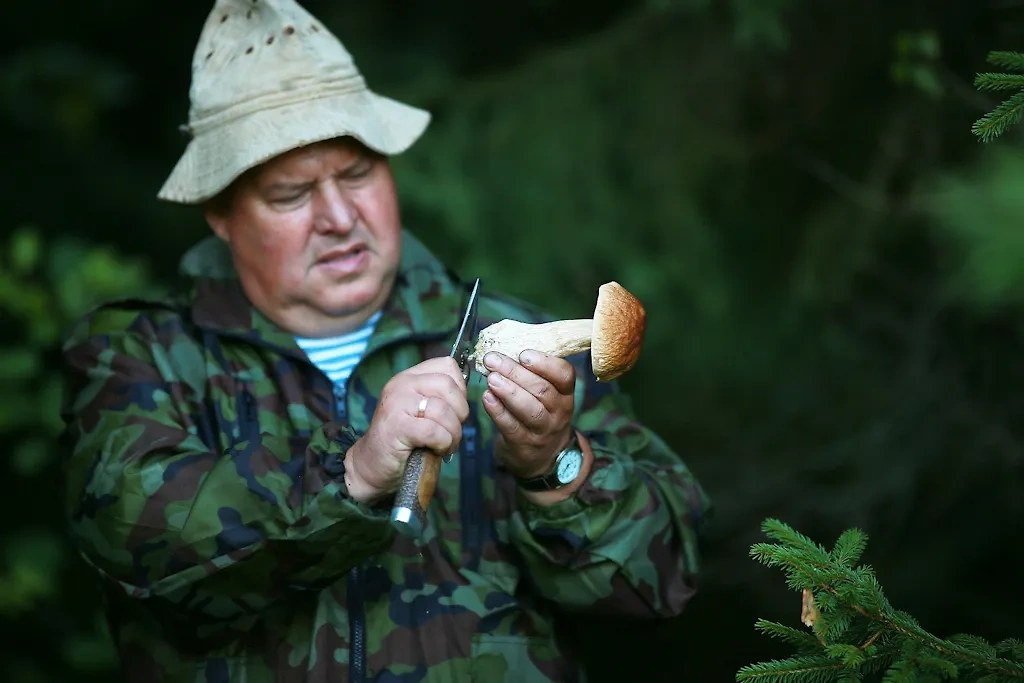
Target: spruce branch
{"points": [[853, 629], [994, 81], [1006, 59], [1009, 112], [993, 124]]}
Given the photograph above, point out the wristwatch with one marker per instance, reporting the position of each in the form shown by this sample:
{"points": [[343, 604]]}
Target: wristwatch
{"points": [[565, 470]]}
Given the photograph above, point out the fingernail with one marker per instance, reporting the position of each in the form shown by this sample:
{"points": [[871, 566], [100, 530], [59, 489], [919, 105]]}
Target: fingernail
{"points": [[489, 398], [495, 380], [492, 360], [529, 357]]}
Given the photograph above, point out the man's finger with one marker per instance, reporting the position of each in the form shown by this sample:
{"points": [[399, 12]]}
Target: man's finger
{"points": [[524, 406], [559, 372], [533, 383], [444, 388], [445, 365], [504, 420]]}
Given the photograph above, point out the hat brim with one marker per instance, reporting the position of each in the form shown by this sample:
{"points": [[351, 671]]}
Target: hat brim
{"points": [[214, 158]]}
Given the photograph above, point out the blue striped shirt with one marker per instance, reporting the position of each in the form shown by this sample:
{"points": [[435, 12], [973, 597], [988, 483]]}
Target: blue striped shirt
{"points": [[337, 356]]}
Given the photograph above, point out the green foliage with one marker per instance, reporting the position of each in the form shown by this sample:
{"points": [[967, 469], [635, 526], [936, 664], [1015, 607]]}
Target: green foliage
{"points": [[978, 213], [917, 55], [854, 632], [1009, 112], [44, 287]]}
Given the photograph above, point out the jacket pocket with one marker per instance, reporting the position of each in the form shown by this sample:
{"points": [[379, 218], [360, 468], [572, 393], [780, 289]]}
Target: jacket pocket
{"points": [[515, 659]]}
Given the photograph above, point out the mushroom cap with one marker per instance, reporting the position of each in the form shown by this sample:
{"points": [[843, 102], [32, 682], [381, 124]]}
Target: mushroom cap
{"points": [[618, 333]]}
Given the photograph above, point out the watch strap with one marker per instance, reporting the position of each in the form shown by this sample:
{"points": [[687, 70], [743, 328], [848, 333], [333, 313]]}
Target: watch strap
{"points": [[549, 480]]}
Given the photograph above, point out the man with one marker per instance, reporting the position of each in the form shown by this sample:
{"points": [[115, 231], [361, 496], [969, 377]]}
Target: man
{"points": [[234, 449]]}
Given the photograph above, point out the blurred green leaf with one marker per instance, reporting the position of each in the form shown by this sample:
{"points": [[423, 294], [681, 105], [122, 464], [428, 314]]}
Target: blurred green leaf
{"points": [[979, 212], [928, 45], [761, 23], [91, 651], [41, 549], [34, 559], [22, 298], [18, 364], [16, 414], [25, 248], [31, 456], [915, 63], [48, 398]]}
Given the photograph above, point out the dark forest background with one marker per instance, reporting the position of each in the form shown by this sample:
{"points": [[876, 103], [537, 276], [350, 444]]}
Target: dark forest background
{"points": [[832, 264]]}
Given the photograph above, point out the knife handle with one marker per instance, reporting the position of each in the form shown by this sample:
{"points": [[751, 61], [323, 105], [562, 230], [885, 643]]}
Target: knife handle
{"points": [[419, 481]]}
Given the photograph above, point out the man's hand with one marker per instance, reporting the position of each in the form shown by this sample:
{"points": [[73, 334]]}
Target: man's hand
{"points": [[531, 403], [374, 465]]}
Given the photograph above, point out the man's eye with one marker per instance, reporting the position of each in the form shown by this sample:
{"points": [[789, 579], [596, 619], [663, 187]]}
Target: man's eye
{"points": [[360, 171]]}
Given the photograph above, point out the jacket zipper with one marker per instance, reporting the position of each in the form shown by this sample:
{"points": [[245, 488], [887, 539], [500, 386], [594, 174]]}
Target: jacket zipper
{"points": [[469, 466], [356, 607], [356, 612]]}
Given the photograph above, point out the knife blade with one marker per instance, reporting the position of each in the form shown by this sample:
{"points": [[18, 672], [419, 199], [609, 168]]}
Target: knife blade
{"points": [[419, 480]]}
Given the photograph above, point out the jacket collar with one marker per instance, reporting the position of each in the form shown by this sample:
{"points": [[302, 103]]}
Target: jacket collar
{"points": [[427, 300]]}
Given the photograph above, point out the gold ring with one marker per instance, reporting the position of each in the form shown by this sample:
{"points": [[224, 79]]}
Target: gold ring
{"points": [[421, 411]]}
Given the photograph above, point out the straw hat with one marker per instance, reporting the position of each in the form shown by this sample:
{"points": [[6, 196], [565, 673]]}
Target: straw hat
{"points": [[267, 77]]}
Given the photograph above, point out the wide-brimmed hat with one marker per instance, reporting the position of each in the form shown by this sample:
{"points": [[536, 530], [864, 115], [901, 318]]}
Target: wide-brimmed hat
{"points": [[268, 77]]}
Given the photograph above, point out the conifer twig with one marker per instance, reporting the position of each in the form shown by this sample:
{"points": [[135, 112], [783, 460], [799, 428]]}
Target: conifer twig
{"points": [[1010, 111], [854, 631]]}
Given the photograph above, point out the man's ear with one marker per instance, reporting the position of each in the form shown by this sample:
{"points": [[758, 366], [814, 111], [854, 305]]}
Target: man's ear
{"points": [[217, 219], [217, 211]]}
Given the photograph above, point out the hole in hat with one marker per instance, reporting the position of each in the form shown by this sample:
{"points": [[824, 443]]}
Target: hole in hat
{"points": [[248, 49], [209, 54], [270, 40], [315, 27], [223, 18], [288, 30]]}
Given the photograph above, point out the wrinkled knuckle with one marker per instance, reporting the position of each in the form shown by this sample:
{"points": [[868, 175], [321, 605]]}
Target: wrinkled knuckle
{"points": [[536, 439]]}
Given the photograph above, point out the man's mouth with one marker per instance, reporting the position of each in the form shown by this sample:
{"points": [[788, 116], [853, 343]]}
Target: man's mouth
{"points": [[344, 261], [342, 254]]}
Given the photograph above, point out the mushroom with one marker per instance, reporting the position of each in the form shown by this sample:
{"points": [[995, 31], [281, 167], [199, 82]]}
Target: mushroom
{"points": [[614, 335]]}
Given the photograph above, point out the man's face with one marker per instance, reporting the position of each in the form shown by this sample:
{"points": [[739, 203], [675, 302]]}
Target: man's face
{"points": [[316, 236]]}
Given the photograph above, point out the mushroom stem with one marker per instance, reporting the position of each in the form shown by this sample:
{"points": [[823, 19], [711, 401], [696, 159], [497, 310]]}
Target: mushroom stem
{"points": [[559, 338], [614, 336]]}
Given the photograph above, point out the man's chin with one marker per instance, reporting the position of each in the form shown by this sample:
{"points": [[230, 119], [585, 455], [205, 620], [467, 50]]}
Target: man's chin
{"points": [[353, 299]]}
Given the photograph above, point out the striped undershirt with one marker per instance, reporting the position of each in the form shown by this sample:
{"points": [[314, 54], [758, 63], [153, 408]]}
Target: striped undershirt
{"points": [[337, 356]]}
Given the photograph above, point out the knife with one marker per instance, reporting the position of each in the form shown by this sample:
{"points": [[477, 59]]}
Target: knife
{"points": [[409, 512]]}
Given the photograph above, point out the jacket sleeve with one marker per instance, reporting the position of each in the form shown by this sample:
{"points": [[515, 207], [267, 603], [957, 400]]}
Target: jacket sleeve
{"points": [[626, 543], [200, 535]]}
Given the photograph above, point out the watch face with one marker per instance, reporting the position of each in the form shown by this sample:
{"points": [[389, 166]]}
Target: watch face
{"points": [[569, 466]]}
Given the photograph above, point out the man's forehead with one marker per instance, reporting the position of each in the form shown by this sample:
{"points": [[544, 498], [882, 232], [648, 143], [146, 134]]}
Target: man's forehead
{"points": [[338, 152]]}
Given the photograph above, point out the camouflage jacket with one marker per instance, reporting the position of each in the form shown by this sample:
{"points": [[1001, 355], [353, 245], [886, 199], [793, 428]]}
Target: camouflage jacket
{"points": [[201, 487]]}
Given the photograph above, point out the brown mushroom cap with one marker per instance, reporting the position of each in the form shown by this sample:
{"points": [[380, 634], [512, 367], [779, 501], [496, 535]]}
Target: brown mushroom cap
{"points": [[618, 333]]}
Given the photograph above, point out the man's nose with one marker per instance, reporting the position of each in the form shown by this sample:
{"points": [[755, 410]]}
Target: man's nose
{"points": [[334, 210]]}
